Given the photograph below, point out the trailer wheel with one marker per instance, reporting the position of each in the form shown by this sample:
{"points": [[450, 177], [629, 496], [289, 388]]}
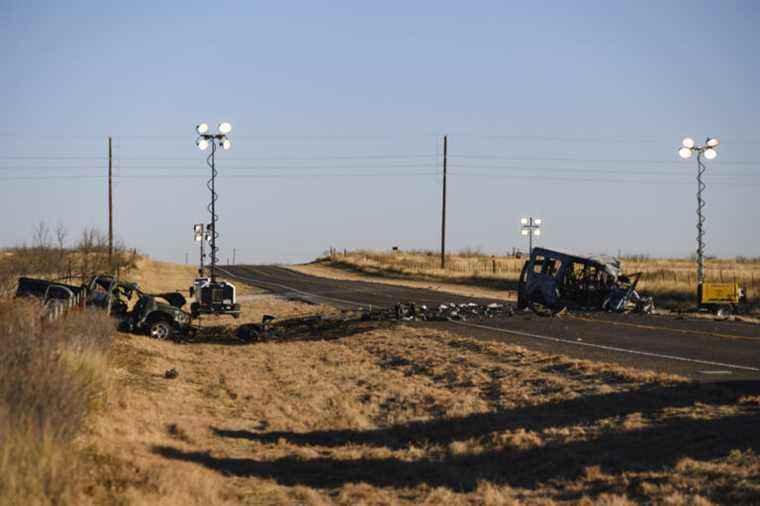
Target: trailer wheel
{"points": [[161, 330]]}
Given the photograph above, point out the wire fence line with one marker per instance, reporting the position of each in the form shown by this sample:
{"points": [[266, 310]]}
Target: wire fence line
{"points": [[658, 275]]}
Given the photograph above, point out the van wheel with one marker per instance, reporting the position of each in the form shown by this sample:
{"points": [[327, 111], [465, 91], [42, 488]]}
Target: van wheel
{"points": [[160, 329]]}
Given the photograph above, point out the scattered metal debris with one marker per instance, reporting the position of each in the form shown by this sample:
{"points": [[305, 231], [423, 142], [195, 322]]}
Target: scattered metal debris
{"points": [[305, 328], [444, 312], [352, 322], [557, 280]]}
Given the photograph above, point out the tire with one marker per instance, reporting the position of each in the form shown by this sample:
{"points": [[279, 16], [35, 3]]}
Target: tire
{"points": [[160, 330]]}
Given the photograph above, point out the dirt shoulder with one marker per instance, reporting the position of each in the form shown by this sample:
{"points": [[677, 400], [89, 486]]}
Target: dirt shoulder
{"points": [[406, 415], [327, 271]]}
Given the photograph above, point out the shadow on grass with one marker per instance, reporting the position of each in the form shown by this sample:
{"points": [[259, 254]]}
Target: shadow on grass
{"points": [[649, 449], [579, 411], [291, 330]]}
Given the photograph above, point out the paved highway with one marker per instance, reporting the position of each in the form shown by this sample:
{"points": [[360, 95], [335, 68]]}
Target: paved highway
{"points": [[705, 350]]}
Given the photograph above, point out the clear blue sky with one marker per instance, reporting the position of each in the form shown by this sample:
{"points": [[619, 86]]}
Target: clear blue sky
{"points": [[571, 111]]}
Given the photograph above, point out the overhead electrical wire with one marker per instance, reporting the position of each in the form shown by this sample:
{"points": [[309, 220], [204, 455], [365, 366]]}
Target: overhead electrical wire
{"points": [[544, 178]]}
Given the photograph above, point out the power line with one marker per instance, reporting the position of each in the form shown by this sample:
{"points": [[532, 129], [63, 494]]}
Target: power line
{"points": [[201, 176], [592, 160], [372, 175], [376, 157], [186, 167], [595, 180], [192, 159], [355, 167]]}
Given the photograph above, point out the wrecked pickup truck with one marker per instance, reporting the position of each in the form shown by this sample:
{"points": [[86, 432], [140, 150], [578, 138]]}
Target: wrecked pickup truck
{"points": [[558, 280], [158, 315]]}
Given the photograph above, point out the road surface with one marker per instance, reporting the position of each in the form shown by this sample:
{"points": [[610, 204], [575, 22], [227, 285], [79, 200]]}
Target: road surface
{"points": [[702, 349]]}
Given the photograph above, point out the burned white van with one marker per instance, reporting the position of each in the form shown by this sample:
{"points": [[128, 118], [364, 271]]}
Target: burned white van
{"points": [[557, 280]]}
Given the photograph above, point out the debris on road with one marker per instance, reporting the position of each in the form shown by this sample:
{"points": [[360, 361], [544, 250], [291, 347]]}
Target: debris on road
{"points": [[557, 280], [306, 328], [319, 327], [443, 312], [171, 373]]}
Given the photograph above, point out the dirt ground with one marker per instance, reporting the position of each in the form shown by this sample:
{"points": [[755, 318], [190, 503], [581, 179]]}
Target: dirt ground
{"points": [[405, 415]]}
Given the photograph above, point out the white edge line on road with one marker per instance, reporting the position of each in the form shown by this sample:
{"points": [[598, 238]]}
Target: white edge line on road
{"points": [[528, 334], [610, 348]]}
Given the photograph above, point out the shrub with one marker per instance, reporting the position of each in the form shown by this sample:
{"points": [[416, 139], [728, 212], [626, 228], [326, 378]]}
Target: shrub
{"points": [[51, 379]]}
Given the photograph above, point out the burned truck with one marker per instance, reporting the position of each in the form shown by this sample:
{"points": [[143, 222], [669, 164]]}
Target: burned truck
{"points": [[556, 280], [158, 315]]}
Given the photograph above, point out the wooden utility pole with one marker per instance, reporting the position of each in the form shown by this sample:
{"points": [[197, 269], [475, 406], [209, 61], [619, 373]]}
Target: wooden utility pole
{"points": [[443, 207], [110, 205]]}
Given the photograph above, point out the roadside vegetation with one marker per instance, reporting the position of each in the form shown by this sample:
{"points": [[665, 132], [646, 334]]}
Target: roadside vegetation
{"points": [[53, 379], [393, 415], [672, 282], [404, 415], [52, 256]]}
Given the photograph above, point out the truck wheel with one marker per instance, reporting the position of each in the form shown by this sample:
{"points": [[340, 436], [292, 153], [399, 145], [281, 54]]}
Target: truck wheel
{"points": [[160, 329]]}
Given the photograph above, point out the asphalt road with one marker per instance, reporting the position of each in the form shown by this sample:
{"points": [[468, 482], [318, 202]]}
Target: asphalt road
{"points": [[702, 349]]}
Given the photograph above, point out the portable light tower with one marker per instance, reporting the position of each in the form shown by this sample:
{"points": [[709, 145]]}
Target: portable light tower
{"points": [[708, 151], [200, 235], [531, 227], [212, 296]]}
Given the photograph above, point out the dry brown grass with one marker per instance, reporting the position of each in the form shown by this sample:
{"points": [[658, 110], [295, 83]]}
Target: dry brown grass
{"points": [[402, 415], [418, 416], [671, 281], [412, 416], [52, 378]]}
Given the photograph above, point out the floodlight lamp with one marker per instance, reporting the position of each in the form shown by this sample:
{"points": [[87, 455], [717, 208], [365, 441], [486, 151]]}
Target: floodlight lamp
{"points": [[198, 228], [688, 142], [710, 153], [225, 128], [524, 231], [537, 231], [202, 128], [523, 221], [226, 144], [202, 144], [684, 153], [198, 237], [538, 221], [713, 141]]}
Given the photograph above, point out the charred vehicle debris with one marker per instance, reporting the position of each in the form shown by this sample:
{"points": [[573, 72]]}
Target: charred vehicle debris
{"points": [[158, 315], [556, 281], [549, 283], [352, 321]]}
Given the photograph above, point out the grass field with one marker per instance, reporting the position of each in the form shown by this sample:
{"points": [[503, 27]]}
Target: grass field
{"points": [[671, 281], [397, 415]]}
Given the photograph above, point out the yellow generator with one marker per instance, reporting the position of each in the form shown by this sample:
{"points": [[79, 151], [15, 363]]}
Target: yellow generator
{"points": [[721, 298]]}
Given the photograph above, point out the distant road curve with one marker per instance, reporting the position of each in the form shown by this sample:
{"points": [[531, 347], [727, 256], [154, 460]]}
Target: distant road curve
{"points": [[704, 350]]}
